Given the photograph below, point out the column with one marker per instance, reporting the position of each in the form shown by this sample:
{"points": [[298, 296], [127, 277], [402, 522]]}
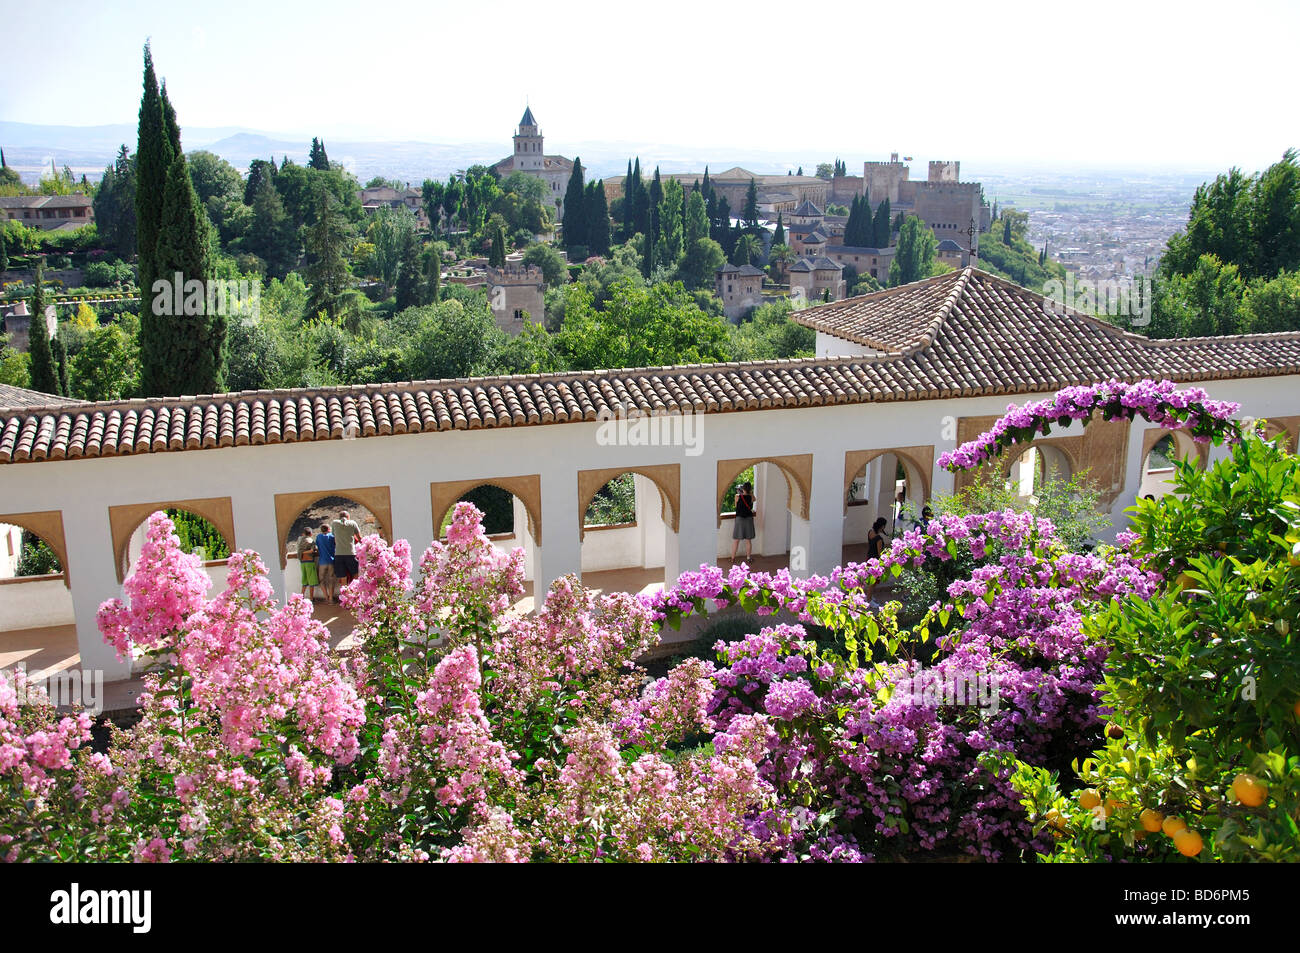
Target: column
{"points": [[561, 549], [94, 580], [696, 541]]}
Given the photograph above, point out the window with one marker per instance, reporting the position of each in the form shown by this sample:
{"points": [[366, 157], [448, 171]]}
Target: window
{"points": [[519, 315]]}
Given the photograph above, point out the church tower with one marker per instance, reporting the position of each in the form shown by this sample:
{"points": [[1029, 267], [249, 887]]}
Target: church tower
{"points": [[529, 155]]}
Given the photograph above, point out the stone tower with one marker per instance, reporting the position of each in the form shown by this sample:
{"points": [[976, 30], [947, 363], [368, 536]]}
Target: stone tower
{"points": [[516, 293], [529, 154]]}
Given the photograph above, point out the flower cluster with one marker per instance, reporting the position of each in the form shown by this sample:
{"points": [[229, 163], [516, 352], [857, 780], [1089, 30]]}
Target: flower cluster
{"points": [[1159, 402]]}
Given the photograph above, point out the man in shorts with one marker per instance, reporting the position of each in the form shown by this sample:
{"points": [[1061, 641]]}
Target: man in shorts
{"points": [[346, 532], [325, 563]]}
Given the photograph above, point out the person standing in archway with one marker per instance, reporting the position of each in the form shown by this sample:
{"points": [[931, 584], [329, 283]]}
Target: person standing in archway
{"points": [[743, 527], [875, 546], [325, 562], [307, 564], [346, 530]]}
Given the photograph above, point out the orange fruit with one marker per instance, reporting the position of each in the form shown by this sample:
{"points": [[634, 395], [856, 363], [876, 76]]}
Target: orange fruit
{"points": [[1055, 819], [1172, 825], [1151, 820], [1089, 799], [1188, 843], [1250, 790], [1111, 805]]}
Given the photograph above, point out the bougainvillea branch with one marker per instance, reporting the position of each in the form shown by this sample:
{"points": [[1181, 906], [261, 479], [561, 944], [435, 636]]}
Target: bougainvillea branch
{"points": [[1160, 402]]}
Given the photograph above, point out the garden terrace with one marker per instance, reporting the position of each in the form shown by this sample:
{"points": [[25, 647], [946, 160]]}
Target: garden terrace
{"points": [[829, 443]]}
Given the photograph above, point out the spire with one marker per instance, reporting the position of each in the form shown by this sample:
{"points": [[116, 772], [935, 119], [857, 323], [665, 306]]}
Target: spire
{"points": [[528, 119]]}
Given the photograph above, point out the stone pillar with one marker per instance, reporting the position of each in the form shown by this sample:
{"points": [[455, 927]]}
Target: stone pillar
{"points": [[696, 541], [412, 515], [561, 549], [773, 493], [821, 536], [94, 580], [255, 528]]}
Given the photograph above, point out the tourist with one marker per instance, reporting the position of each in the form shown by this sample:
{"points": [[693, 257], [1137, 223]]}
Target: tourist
{"points": [[923, 520], [875, 546], [307, 564], [744, 522], [325, 562], [346, 531]]}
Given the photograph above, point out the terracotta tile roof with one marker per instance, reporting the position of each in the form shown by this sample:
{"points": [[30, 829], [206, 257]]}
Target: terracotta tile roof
{"points": [[11, 396], [963, 334]]}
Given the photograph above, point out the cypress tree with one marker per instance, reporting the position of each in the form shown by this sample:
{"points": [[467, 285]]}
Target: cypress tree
{"points": [[432, 276], [881, 225], [851, 227], [642, 206], [778, 237], [497, 254], [597, 209], [750, 212], [44, 374], [182, 353], [722, 236], [1006, 232], [318, 159], [4, 255], [575, 224], [656, 197], [629, 205], [708, 186], [153, 157], [60, 353], [169, 122], [409, 271], [327, 270]]}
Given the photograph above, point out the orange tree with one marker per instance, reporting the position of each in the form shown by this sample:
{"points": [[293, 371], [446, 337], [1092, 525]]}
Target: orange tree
{"points": [[1202, 755]]}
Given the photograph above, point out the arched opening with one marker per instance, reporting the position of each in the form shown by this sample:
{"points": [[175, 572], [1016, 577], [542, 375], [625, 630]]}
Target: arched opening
{"points": [[198, 535], [626, 518], [1034, 466], [779, 496], [885, 484], [1164, 448], [38, 624]]}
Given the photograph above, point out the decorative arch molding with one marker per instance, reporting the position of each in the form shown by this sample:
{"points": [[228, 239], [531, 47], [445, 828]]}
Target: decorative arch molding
{"points": [[795, 467], [126, 519], [1287, 425], [528, 489], [288, 506], [1185, 445], [1101, 449], [667, 477], [48, 525], [921, 459]]}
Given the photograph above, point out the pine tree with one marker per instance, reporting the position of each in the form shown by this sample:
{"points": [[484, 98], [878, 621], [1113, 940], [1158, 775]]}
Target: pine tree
{"points": [[153, 158], [778, 237], [182, 353], [44, 374], [597, 209], [318, 160], [575, 222]]}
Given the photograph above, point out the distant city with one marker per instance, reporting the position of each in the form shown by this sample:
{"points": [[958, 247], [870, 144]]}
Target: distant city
{"points": [[1099, 223]]}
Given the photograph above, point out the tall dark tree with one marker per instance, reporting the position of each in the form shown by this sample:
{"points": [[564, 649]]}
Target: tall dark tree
{"points": [[327, 270], [575, 221], [153, 159], [778, 237], [497, 251], [429, 293], [629, 206], [654, 200], [723, 225], [115, 203], [4, 254], [170, 125], [182, 353], [707, 186], [597, 209], [1006, 232], [318, 160], [43, 371], [410, 272], [750, 212], [60, 352], [882, 226], [259, 171]]}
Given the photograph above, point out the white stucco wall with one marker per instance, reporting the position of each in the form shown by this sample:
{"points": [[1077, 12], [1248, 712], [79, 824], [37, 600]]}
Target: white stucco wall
{"points": [[406, 464]]}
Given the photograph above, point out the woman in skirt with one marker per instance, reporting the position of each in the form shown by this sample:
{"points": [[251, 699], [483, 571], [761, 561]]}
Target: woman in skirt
{"points": [[744, 522]]}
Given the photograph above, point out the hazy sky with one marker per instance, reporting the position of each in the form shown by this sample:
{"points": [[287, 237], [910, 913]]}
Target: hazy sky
{"points": [[1131, 83]]}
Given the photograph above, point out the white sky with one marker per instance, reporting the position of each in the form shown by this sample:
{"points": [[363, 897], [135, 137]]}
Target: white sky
{"points": [[1121, 83]]}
